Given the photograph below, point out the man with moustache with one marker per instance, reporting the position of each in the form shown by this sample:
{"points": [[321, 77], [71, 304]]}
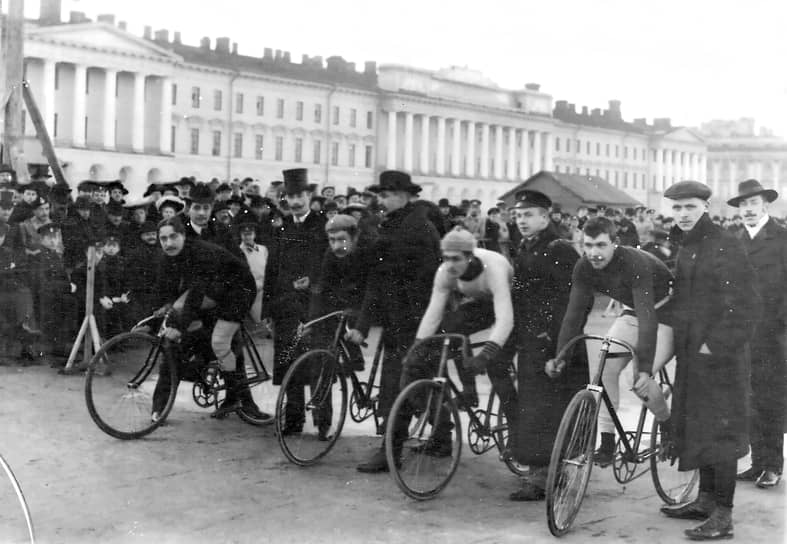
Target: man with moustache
{"points": [[765, 243], [292, 272], [201, 226], [715, 307]]}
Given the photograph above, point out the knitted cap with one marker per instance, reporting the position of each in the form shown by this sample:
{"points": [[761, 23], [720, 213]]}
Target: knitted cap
{"points": [[458, 240]]}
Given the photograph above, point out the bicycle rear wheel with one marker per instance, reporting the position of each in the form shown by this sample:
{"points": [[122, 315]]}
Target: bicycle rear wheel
{"points": [[12, 527], [308, 426], [672, 485], [431, 449], [120, 383], [571, 462]]}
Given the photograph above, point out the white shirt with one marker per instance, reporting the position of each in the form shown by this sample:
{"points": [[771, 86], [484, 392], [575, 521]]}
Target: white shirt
{"points": [[753, 231], [257, 259]]}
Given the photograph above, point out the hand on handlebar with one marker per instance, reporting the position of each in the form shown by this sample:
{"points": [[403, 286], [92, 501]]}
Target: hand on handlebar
{"points": [[554, 367], [172, 334], [355, 336], [641, 385]]}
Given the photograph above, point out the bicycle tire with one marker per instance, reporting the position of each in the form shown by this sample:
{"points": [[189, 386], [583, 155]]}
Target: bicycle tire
{"points": [[126, 365], [672, 486], [416, 458], [574, 446], [306, 446], [21, 498]]}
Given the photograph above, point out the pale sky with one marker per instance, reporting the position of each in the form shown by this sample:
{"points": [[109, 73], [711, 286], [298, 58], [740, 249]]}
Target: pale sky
{"points": [[691, 60]]}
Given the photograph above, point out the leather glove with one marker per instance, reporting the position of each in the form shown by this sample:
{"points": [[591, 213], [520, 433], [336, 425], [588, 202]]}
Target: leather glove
{"points": [[478, 363], [106, 302], [554, 367]]}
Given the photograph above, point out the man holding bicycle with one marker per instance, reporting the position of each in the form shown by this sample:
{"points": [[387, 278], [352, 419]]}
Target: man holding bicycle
{"points": [[642, 284], [205, 278]]}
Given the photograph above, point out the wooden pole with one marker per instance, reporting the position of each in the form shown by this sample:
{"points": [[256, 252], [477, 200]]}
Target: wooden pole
{"points": [[13, 64], [88, 335], [43, 136]]}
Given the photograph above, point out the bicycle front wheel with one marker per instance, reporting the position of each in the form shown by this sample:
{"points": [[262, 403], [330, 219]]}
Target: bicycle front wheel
{"points": [[424, 457], [308, 426], [127, 380], [672, 485], [571, 462]]}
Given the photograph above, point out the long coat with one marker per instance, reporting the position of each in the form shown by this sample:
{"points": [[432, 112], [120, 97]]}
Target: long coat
{"points": [[716, 304], [768, 255], [542, 284]]}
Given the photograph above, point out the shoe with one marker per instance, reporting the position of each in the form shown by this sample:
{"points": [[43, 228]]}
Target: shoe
{"points": [[717, 527], [603, 457], [322, 433], [434, 448], [251, 409], [155, 417], [227, 407], [377, 463], [699, 509], [528, 492], [768, 479], [751, 474]]}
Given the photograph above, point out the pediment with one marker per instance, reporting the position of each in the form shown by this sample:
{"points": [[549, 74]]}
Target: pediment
{"points": [[684, 134], [101, 37]]}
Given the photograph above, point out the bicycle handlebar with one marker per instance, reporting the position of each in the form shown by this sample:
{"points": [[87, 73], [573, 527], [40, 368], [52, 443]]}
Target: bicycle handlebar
{"points": [[608, 339], [325, 318]]}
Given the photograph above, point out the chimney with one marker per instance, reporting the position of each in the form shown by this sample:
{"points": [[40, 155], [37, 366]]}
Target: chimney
{"points": [[162, 36], [532, 86], [278, 55], [223, 45], [204, 43], [305, 60], [234, 48], [584, 111], [317, 61], [614, 105], [267, 53], [336, 64], [641, 122], [50, 12], [176, 38], [572, 109], [370, 67], [106, 18], [148, 32], [122, 25], [77, 17], [662, 123], [286, 56], [595, 114]]}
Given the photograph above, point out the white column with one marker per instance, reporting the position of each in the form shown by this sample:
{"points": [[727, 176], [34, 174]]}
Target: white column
{"points": [[775, 171], [537, 152], [138, 119], [758, 170], [485, 150], [659, 171], [548, 149], [390, 162], [456, 147], [524, 155], [440, 168], [424, 144], [667, 168], [703, 168], [165, 117], [110, 88], [408, 142], [48, 93], [78, 106], [733, 173], [716, 177], [498, 152], [470, 153], [511, 170]]}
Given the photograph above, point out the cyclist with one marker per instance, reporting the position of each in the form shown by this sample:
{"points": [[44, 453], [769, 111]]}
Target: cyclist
{"points": [[205, 277], [642, 284], [471, 292]]}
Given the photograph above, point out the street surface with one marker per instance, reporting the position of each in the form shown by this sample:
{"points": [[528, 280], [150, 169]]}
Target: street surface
{"points": [[201, 480]]}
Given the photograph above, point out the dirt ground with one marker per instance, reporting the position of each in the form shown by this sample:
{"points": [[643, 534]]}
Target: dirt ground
{"points": [[201, 480]]}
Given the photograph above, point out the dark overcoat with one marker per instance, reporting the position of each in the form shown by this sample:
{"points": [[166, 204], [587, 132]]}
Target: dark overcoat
{"points": [[541, 289], [716, 304]]}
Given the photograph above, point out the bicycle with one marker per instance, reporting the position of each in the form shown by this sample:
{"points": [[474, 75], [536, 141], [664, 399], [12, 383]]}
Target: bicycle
{"points": [[572, 453], [326, 371], [21, 498], [121, 378], [423, 469]]}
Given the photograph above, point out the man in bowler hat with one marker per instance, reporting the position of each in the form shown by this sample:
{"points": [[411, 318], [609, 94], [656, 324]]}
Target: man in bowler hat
{"points": [[765, 243]]}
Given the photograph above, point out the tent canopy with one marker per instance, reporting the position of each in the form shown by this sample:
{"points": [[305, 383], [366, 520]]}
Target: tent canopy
{"points": [[572, 191]]}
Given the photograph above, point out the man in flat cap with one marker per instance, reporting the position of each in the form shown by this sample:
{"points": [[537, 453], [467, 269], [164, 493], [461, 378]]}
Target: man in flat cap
{"points": [[765, 243], [715, 305], [408, 255]]}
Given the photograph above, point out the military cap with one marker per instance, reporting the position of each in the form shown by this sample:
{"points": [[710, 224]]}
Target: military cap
{"points": [[491, 211], [48, 229], [109, 238], [458, 239], [202, 194], [82, 203], [527, 198], [688, 189], [246, 222], [341, 222]]}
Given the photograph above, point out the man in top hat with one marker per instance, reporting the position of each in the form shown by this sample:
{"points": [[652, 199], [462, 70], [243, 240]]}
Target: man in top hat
{"points": [[715, 305], [292, 272], [401, 284], [40, 178], [765, 242], [7, 176]]}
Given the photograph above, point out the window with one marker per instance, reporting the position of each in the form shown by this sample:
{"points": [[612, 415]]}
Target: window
{"points": [[280, 108], [598, 149], [367, 162], [237, 145], [625, 180], [318, 113], [299, 111], [336, 115], [238, 102], [317, 151], [369, 119], [298, 149], [172, 134], [57, 78], [353, 117], [174, 94], [194, 141], [634, 150], [588, 148], [216, 148], [579, 146], [625, 152], [258, 145], [557, 144], [196, 97], [260, 105], [616, 178], [351, 155], [568, 145], [54, 128], [607, 150], [335, 153], [217, 100], [617, 151], [279, 147]]}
